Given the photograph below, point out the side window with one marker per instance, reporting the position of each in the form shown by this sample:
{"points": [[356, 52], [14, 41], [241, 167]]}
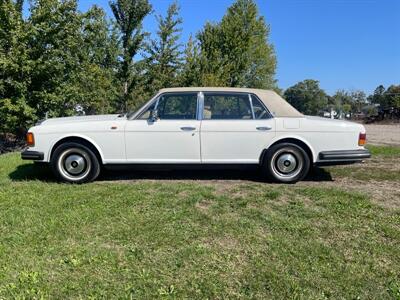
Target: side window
{"points": [[226, 106], [259, 110], [174, 107], [146, 114], [177, 106]]}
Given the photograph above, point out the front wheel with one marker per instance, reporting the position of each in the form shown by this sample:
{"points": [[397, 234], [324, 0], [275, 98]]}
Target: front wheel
{"points": [[75, 163], [286, 163]]}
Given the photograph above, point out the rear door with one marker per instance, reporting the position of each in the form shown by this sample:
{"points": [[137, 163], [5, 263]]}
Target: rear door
{"points": [[235, 128]]}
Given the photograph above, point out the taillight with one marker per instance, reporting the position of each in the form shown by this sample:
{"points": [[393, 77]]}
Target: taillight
{"points": [[362, 139], [30, 140]]}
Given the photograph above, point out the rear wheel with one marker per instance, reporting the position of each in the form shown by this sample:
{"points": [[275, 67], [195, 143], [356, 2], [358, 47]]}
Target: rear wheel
{"points": [[75, 163], [286, 163]]}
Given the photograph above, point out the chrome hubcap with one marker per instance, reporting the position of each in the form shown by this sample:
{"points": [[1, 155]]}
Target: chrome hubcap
{"points": [[286, 163], [74, 164]]}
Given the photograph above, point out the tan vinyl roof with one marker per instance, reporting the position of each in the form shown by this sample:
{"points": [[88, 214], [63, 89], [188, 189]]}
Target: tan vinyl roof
{"points": [[278, 106]]}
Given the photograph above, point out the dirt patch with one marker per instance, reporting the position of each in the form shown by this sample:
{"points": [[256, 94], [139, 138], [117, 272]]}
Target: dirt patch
{"points": [[222, 187], [225, 242], [383, 193], [387, 164], [203, 205], [383, 134]]}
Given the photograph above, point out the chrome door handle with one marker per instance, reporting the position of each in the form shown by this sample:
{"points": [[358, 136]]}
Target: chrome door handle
{"points": [[264, 128], [188, 128]]}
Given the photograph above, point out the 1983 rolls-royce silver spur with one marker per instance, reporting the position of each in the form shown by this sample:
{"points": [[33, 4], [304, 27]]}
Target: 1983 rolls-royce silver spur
{"points": [[204, 126]]}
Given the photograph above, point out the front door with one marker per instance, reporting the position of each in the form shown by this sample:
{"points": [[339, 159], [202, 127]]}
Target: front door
{"points": [[173, 137], [236, 128]]}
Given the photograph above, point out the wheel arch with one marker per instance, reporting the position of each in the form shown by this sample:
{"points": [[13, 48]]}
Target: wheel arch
{"points": [[295, 140], [81, 140]]}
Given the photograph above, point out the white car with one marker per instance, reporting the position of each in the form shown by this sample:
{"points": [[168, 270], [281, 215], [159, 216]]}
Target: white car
{"points": [[204, 126]]}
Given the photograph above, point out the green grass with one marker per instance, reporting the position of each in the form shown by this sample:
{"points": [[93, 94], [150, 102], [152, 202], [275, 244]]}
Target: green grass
{"points": [[393, 151], [382, 166], [365, 173], [191, 239]]}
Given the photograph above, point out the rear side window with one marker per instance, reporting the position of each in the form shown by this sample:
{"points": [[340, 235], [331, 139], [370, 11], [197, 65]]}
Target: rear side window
{"points": [[224, 106], [177, 106], [260, 111]]}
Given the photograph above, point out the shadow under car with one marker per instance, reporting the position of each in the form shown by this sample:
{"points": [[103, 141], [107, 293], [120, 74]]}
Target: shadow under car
{"points": [[42, 171]]}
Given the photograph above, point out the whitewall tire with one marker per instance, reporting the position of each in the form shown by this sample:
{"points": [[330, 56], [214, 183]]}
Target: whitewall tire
{"points": [[75, 163]]}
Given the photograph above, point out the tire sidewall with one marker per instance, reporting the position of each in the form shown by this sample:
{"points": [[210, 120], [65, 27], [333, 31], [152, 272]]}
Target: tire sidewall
{"points": [[95, 165], [268, 163]]}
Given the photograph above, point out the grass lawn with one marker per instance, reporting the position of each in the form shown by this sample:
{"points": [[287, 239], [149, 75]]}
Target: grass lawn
{"points": [[333, 236]]}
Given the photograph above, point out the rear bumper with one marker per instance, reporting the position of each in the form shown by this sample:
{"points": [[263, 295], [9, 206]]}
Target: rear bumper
{"points": [[341, 157], [32, 155]]}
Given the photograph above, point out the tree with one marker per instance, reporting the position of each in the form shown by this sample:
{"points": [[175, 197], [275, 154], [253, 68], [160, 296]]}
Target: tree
{"points": [[54, 60], [307, 97], [386, 98], [236, 51], [164, 58], [358, 100], [99, 61], [341, 101], [190, 73], [392, 96], [129, 15], [15, 67], [378, 96], [56, 50], [213, 64]]}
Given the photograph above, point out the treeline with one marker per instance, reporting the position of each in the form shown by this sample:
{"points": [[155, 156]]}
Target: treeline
{"points": [[309, 98], [56, 59]]}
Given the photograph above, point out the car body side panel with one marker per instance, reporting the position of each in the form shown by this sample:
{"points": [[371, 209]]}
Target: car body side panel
{"points": [[162, 141], [235, 141], [106, 136], [319, 134], [221, 141]]}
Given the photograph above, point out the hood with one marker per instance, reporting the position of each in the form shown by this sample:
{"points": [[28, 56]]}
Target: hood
{"points": [[79, 119]]}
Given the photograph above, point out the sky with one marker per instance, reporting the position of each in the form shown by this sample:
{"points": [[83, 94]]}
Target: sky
{"points": [[345, 44]]}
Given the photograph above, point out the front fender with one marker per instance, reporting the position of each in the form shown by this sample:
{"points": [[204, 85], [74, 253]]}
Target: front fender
{"points": [[75, 135]]}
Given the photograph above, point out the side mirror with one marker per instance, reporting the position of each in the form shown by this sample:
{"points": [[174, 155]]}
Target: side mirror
{"points": [[153, 115]]}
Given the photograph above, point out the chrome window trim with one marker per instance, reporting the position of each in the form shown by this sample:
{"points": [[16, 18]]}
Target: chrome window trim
{"points": [[250, 95], [270, 116], [157, 98], [143, 109], [251, 107], [200, 106]]}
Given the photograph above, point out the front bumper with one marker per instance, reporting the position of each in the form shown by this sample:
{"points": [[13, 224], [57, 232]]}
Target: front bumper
{"points": [[342, 157], [32, 155]]}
